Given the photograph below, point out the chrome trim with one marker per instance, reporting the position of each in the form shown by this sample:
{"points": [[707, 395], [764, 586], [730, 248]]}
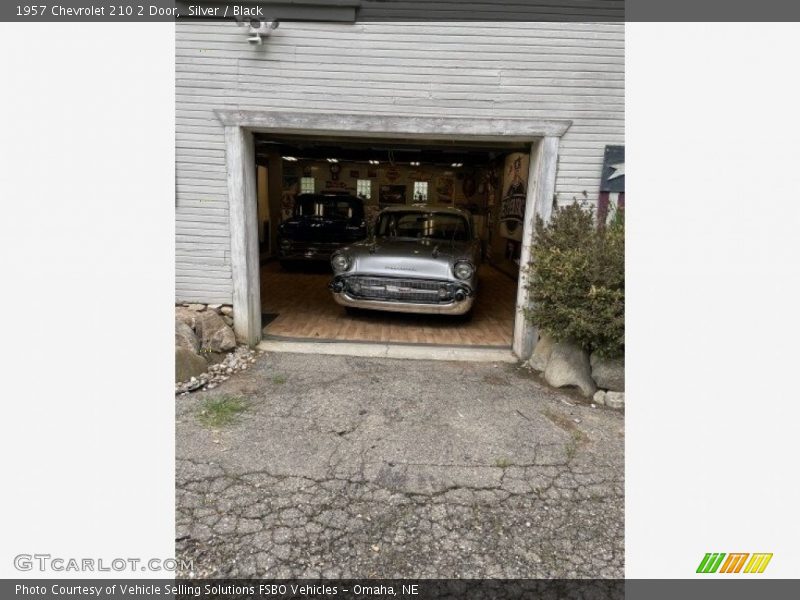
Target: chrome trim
{"points": [[464, 261], [453, 308], [309, 250], [315, 256]]}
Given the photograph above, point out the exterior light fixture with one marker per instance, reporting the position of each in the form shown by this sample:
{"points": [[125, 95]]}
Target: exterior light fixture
{"points": [[414, 163], [290, 159], [374, 162], [258, 30], [457, 165], [333, 160]]}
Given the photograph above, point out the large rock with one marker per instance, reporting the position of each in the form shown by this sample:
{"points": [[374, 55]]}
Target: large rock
{"points": [[541, 353], [569, 366], [214, 333], [184, 315], [608, 373], [185, 337], [188, 364]]}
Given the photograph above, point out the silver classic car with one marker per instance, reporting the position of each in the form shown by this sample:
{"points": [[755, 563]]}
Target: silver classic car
{"points": [[420, 259]]}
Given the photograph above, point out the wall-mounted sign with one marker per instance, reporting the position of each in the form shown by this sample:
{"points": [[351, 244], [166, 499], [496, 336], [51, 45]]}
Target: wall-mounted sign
{"points": [[515, 187], [331, 186], [470, 186], [445, 188], [491, 182], [393, 174], [612, 178], [392, 194]]}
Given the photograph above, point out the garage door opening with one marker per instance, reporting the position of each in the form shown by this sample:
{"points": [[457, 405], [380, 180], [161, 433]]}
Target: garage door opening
{"points": [[299, 176]]}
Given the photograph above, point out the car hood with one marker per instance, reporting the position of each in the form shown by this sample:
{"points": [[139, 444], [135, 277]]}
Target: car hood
{"points": [[314, 228], [414, 258]]}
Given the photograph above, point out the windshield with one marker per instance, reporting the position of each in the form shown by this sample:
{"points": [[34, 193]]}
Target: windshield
{"points": [[329, 207], [423, 225]]}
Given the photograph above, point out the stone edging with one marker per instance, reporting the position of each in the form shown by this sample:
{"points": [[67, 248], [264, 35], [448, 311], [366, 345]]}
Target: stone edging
{"points": [[564, 364]]}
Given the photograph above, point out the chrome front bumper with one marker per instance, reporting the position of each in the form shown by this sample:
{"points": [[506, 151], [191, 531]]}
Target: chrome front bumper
{"points": [[399, 294], [320, 251], [451, 308], [307, 256]]}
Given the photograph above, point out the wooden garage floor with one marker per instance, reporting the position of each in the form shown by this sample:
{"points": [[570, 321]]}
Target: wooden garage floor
{"points": [[306, 310]]}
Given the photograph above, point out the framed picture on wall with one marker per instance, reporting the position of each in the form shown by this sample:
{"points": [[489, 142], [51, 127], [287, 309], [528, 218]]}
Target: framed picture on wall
{"points": [[392, 194]]}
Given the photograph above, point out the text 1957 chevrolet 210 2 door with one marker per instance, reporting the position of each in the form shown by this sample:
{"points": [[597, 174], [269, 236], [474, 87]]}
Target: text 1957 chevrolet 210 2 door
{"points": [[421, 259]]}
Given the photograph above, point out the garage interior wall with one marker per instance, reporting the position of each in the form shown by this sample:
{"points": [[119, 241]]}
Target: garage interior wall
{"points": [[445, 185], [512, 70], [463, 187]]}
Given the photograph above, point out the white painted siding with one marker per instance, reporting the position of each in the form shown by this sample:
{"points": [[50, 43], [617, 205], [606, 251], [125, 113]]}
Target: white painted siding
{"points": [[518, 70]]}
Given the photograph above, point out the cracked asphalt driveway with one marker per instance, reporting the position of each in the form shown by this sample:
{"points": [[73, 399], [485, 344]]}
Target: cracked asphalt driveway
{"points": [[353, 467]]}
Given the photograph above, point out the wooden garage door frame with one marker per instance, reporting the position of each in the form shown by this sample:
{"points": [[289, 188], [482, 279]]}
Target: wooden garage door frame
{"points": [[543, 135]]}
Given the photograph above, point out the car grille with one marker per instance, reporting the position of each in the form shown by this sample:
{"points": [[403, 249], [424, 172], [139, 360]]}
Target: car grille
{"points": [[319, 247], [400, 290]]}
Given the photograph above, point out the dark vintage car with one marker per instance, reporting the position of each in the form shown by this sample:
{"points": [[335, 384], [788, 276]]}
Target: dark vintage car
{"points": [[421, 259], [320, 224]]}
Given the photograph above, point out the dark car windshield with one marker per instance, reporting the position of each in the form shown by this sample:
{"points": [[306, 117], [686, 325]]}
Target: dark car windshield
{"points": [[423, 225], [329, 207]]}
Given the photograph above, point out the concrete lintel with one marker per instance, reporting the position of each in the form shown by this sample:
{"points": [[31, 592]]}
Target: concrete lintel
{"points": [[407, 351], [402, 127]]}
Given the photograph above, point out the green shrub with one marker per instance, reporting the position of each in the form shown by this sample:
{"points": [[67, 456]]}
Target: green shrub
{"points": [[577, 280]]}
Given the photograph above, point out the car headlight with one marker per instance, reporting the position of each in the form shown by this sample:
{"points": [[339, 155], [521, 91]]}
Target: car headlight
{"points": [[340, 263], [463, 269]]}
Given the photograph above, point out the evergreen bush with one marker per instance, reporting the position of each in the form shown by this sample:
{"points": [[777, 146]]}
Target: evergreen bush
{"points": [[577, 280]]}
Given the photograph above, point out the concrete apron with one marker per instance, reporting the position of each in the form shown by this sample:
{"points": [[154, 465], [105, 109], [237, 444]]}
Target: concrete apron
{"points": [[382, 350]]}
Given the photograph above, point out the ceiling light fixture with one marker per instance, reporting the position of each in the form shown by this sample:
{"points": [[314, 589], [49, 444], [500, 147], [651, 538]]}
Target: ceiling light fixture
{"points": [[290, 158]]}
